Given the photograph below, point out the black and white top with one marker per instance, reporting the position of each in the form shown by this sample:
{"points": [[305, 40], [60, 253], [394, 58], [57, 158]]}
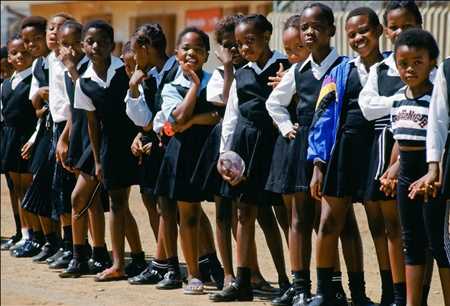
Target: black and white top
{"points": [[409, 119]]}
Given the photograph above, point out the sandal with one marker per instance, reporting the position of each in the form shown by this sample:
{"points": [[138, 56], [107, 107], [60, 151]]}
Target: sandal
{"points": [[109, 275], [194, 287]]}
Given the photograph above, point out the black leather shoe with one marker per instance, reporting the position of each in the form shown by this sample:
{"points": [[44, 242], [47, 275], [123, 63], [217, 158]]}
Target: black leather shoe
{"points": [[301, 299], [11, 242], [46, 251], [147, 277], [217, 275], [285, 299], [97, 266], [75, 269], [232, 293], [55, 256], [63, 261], [170, 281], [29, 249], [362, 301], [386, 300], [135, 267], [341, 299], [321, 300]]}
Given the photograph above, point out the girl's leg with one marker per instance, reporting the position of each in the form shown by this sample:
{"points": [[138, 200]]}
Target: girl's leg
{"points": [[132, 232], [96, 216], [283, 220], [267, 221], [223, 235], [153, 216], [189, 234]]}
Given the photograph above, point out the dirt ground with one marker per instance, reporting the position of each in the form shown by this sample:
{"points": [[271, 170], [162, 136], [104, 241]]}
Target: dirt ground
{"points": [[27, 283]]}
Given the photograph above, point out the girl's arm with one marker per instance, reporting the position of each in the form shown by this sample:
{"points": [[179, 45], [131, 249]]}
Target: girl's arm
{"points": [[183, 112], [210, 118], [94, 137], [62, 146], [229, 120]]}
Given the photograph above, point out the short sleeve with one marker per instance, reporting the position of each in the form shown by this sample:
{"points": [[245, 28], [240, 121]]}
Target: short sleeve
{"points": [[81, 100]]}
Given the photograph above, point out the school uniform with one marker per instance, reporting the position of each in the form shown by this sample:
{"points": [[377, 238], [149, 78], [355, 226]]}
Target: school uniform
{"points": [[375, 101], [19, 121], [340, 135], [183, 149], [205, 174], [422, 224], [290, 170], [119, 166], [140, 111], [438, 141], [248, 130]]}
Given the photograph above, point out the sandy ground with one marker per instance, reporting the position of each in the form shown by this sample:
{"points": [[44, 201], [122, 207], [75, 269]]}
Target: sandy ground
{"points": [[27, 283]]}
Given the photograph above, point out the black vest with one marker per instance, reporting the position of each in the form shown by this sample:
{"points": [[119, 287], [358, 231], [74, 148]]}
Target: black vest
{"points": [[352, 116], [41, 73], [17, 109], [253, 91], [308, 90], [446, 68], [168, 77], [109, 104]]}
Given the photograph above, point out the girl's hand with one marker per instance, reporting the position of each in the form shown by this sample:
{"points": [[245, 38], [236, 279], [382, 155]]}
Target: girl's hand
{"points": [[25, 152], [224, 56], [317, 181], [428, 184], [43, 93], [187, 70], [67, 57], [99, 171], [275, 80], [180, 128], [137, 78], [389, 180], [62, 147], [292, 134], [136, 146]]}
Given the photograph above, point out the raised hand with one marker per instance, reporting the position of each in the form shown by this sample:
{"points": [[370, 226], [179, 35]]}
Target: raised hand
{"points": [[224, 55], [275, 80]]}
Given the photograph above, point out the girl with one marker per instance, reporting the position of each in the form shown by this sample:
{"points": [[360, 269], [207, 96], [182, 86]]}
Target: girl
{"points": [[19, 119], [192, 118], [99, 91], [73, 150], [344, 184], [375, 101], [422, 223], [247, 129]]}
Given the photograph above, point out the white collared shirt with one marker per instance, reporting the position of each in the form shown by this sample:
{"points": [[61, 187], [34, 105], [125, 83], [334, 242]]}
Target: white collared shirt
{"points": [[438, 118], [361, 68], [34, 82], [137, 108], [281, 96], [81, 62], [214, 91], [232, 109], [81, 100], [18, 77], [59, 105]]}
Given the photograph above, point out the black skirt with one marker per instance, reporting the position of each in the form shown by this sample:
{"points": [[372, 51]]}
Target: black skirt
{"points": [[346, 174], [151, 163], [255, 146], [205, 174], [446, 171], [379, 158], [12, 141], [290, 171], [42, 146], [63, 181], [177, 167]]}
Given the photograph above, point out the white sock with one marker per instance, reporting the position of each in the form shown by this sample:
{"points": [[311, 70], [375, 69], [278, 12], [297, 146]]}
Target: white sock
{"points": [[25, 234]]}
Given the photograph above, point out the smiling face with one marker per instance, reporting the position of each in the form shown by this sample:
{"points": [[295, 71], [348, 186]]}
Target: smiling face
{"points": [[362, 37], [18, 56], [191, 51], [295, 49], [251, 42], [229, 42], [97, 45], [34, 41], [70, 39], [6, 69], [52, 31], [414, 65], [399, 20], [315, 31]]}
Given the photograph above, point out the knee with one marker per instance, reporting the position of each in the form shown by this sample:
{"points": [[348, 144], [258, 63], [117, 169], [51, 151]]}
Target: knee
{"points": [[298, 223], [223, 218], [377, 228], [245, 216], [191, 220], [392, 227], [118, 206], [77, 199], [329, 226]]}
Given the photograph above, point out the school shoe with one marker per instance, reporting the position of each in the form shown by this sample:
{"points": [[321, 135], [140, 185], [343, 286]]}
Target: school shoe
{"points": [[286, 298], [233, 292], [47, 250], [18, 244], [62, 262], [362, 301], [75, 269], [8, 244], [340, 299], [55, 256], [301, 299], [149, 276], [386, 300], [171, 280], [137, 265], [29, 249], [264, 290], [97, 266]]}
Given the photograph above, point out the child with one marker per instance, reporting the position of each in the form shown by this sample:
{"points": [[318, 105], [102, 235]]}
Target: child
{"points": [[192, 118], [99, 91], [338, 138], [19, 121], [247, 129], [375, 101], [151, 71], [73, 150], [422, 224]]}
